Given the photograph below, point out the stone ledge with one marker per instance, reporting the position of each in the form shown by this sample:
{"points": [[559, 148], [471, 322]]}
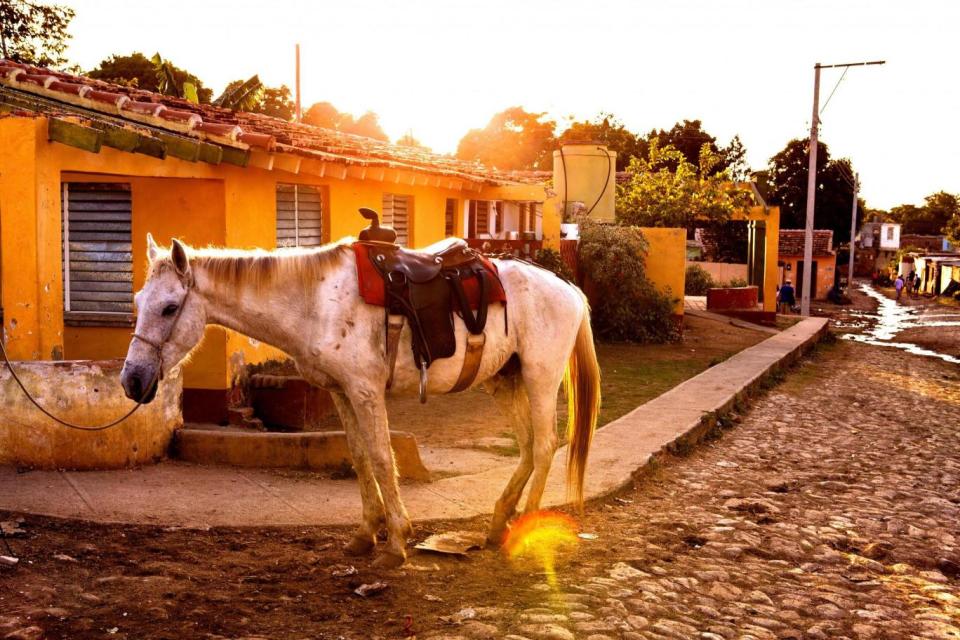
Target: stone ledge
{"points": [[313, 451]]}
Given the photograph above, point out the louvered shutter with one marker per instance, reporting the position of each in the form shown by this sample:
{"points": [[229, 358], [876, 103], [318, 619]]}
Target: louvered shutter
{"points": [[448, 217], [299, 216], [396, 214], [483, 217], [98, 259]]}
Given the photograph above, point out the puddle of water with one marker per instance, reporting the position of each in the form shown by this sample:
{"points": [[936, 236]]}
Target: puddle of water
{"points": [[891, 318]]}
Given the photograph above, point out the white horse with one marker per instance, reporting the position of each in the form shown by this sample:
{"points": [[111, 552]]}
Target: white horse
{"points": [[307, 303]]}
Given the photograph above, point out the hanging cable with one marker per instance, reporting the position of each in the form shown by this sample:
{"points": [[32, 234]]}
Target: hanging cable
{"points": [[842, 76]]}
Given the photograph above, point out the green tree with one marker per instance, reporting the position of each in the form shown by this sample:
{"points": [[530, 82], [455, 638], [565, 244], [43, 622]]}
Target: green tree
{"points": [[137, 70], [34, 33], [513, 139], [666, 190], [324, 114], [786, 187], [251, 96], [935, 217], [953, 229], [607, 129], [689, 138]]}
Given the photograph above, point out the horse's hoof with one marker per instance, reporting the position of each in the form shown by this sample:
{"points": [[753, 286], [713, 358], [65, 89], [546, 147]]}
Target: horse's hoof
{"points": [[387, 560], [359, 546], [495, 539]]}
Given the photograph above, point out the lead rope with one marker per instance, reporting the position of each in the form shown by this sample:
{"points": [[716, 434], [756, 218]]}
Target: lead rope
{"points": [[147, 389]]}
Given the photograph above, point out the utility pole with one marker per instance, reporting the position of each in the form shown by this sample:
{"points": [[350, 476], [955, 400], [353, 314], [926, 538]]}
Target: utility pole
{"points": [[298, 113], [812, 180], [811, 195], [853, 228]]}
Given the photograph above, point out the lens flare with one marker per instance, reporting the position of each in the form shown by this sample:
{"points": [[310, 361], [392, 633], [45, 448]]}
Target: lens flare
{"points": [[540, 536]]}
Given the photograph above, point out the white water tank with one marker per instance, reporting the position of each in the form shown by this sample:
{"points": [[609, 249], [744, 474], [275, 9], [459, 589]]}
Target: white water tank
{"points": [[587, 174]]}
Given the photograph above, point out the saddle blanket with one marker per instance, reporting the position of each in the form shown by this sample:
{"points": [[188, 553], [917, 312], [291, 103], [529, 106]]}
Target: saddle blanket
{"points": [[373, 289]]}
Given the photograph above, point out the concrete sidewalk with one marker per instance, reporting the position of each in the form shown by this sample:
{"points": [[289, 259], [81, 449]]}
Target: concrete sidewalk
{"points": [[181, 494]]}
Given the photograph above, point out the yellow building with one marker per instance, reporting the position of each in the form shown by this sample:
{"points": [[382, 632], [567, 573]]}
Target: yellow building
{"points": [[88, 168]]}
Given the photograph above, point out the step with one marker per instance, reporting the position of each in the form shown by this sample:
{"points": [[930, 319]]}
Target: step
{"points": [[311, 451]]}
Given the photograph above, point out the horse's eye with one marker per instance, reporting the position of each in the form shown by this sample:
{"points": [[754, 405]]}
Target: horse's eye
{"points": [[169, 310]]}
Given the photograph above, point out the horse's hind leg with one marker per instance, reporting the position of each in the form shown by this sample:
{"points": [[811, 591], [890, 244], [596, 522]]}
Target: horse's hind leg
{"points": [[511, 396], [365, 538], [543, 420], [370, 407]]}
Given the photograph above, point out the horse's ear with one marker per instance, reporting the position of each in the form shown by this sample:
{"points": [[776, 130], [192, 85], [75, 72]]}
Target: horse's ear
{"points": [[179, 255], [153, 250]]}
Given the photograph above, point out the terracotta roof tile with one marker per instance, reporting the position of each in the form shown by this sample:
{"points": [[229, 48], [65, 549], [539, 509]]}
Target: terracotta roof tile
{"points": [[255, 130], [792, 242], [107, 97], [144, 108]]}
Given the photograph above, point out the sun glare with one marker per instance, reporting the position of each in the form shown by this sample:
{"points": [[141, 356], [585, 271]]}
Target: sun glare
{"points": [[539, 537]]}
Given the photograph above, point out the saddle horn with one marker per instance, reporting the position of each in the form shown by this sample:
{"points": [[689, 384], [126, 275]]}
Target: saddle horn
{"points": [[374, 232]]}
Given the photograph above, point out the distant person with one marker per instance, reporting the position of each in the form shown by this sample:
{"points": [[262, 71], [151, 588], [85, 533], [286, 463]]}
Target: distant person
{"points": [[898, 285], [835, 295], [916, 283], [787, 298]]}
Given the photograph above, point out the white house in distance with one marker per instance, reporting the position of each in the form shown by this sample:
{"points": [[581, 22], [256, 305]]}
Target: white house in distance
{"points": [[877, 244]]}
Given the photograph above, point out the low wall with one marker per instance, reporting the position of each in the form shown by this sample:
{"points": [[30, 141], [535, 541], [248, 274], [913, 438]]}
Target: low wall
{"points": [[667, 251], [85, 392], [732, 298], [722, 272]]}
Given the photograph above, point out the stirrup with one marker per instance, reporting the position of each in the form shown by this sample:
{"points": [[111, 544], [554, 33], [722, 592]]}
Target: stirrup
{"points": [[423, 382]]}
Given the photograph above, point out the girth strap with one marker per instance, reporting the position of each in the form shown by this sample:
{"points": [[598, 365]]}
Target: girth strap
{"points": [[471, 361]]}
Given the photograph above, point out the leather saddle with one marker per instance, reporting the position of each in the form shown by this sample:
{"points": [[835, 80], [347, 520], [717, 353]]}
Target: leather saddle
{"points": [[426, 288]]}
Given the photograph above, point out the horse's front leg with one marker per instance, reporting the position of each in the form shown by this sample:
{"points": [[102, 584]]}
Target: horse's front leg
{"points": [[365, 538], [369, 405]]}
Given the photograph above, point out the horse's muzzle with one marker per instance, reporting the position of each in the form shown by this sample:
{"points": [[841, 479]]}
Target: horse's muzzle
{"points": [[139, 383]]}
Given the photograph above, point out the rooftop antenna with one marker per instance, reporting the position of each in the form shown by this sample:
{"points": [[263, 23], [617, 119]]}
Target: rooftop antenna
{"points": [[297, 116]]}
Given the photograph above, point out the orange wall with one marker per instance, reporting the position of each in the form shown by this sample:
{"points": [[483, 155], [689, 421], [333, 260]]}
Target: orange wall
{"points": [[826, 267], [666, 255]]}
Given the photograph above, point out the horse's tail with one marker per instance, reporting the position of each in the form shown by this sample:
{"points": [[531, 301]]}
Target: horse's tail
{"points": [[582, 384]]}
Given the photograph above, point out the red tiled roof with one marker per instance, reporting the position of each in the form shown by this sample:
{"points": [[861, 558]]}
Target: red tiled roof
{"points": [[79, 96], [792, 242]]}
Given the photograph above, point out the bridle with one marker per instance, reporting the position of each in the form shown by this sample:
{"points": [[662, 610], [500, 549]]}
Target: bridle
{"points": [[188, 283]]}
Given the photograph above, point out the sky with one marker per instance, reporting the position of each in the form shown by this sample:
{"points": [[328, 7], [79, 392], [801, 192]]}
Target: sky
{"points": [[438, 68]]}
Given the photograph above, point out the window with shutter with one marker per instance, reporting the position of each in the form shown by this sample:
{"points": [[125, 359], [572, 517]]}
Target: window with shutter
{"points": [[396, 214], [449, 216], [299, 216], [97, 252], [479, 218]]}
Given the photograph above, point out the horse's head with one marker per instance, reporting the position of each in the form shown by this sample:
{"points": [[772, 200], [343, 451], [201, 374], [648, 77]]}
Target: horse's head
{"points": [[170, 321]]}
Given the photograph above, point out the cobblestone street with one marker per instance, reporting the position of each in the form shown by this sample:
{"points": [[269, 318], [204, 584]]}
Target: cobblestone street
{"points": [[830, 512]]}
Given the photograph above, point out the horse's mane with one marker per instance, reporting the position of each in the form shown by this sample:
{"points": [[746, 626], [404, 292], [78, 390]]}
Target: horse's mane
{"points": [[258, 267]]}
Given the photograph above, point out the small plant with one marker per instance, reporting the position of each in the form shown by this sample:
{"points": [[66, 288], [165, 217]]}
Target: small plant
{"points": [[737, 282], [697, 281]]}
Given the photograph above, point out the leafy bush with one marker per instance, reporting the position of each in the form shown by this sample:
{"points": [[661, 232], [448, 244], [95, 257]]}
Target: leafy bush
{"points": [[625, 304], [697, 281], [551, 260], [737, 282]]}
